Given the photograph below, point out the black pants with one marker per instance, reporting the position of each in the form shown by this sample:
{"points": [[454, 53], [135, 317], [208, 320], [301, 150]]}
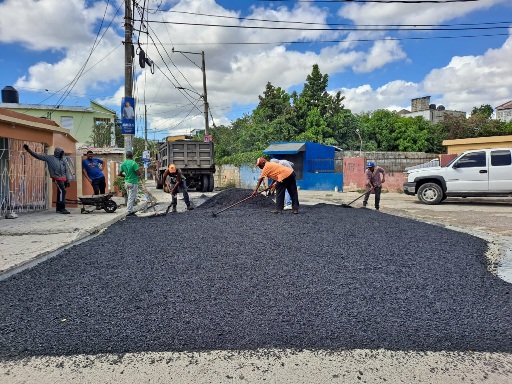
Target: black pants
{"points": [[98, 185], [61, 195], [377, 191], [289, 184]]}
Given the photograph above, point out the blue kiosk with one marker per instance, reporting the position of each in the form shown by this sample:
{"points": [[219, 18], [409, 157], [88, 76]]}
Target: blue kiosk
{"points": [[314, 164]]}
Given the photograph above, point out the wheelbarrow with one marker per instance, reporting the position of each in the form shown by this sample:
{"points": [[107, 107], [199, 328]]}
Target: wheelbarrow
{"points": [[99, 202]]}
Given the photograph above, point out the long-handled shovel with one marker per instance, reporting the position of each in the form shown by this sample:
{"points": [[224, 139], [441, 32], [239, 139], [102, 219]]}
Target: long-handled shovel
{"points": [[214, 214], [348, 205]]}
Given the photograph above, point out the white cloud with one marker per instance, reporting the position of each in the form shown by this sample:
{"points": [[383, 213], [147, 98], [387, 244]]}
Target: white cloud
{"points": [[471, 81]]}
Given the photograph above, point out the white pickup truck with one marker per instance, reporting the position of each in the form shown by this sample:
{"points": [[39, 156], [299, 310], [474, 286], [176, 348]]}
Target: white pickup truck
{"points": [[476, 173]]}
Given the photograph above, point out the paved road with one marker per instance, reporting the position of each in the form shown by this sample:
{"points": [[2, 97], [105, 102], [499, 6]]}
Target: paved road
{"points": [[303, 365]]}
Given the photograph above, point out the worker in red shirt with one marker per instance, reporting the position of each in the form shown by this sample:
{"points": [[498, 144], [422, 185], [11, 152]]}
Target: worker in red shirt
{"points": [[284, 179], [178, 180]]}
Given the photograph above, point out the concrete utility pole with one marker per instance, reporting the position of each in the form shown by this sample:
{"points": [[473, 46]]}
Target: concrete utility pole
{"points": [[128, 65], [205, 93]]}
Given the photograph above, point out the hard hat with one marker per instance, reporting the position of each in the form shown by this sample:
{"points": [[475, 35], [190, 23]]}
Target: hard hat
{"points": [[260, 161], [172, 168], [370, 164]]}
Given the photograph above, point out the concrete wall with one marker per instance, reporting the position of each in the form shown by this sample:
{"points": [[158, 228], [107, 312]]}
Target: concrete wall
{"points": [[460, 145]]}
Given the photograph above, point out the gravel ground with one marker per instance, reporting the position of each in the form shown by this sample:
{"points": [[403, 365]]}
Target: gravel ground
{"points": [[329, 278]]}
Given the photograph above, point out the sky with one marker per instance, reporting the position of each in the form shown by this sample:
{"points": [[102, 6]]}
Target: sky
{"points": [[378, 54]]}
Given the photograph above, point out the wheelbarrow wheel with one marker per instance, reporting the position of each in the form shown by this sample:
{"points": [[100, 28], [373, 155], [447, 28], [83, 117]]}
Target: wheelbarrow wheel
{"points": [[110, 206]]}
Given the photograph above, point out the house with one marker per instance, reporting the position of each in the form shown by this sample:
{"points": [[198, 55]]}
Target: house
{"points": [[457, 146], [79, 120], [435, 114], [24, 181], [504, 112]]}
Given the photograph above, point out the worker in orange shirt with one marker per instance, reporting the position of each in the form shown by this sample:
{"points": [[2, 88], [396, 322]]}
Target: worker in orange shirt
{"points": [[284, 179]]}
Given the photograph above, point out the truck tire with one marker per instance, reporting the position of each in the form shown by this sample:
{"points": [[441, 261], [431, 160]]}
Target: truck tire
{"points": [[199, 184], [430, 193], [205, 182], [211, 183]]}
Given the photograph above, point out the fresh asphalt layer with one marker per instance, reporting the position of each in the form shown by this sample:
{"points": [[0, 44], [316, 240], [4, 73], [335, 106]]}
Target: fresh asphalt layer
{"points": [[330, 278]]}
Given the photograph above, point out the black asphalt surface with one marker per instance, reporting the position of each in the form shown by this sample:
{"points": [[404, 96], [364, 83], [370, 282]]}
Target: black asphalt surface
{"points": [[327, 278]]}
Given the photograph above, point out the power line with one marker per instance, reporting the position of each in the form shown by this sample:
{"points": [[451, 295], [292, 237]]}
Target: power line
{"points": [[334, 24], [348, 40], [350, 29], [374, 1]]}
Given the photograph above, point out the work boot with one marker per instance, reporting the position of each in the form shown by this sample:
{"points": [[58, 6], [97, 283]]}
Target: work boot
{"points": [[364, 204], [295, 211], [174, 210], [63, 211], [190, 207]]}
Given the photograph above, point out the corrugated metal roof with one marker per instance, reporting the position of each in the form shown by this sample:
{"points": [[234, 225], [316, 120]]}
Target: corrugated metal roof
{"points": [[26, 107], [285, 148]]}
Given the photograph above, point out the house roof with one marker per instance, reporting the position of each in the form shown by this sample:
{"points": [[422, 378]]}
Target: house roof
{"points": [[14, 117], [27, 107], [507, 105], [285, 148]]}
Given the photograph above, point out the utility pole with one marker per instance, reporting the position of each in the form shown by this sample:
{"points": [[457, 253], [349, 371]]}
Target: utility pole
{"points": [[205, 94], [128, 65], [145, 127]]}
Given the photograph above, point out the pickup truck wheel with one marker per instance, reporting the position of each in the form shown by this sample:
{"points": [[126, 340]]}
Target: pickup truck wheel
{"points": [[430, 193]]}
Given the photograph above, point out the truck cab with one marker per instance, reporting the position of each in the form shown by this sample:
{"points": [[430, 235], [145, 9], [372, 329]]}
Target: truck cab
{"points": [[476, 173]]}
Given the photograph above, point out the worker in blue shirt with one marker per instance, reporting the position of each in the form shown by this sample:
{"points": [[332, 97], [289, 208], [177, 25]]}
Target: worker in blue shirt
{"points": [[93, 171]]}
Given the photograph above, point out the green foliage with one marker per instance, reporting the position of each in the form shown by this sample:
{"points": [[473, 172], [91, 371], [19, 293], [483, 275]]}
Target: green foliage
{"points": [[484, 111], [319, 116], [243, 158], [101, 135]]}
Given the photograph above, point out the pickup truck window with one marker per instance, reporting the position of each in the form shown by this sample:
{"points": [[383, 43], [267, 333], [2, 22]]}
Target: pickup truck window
{"points": [[472, 160], [500, 158]]}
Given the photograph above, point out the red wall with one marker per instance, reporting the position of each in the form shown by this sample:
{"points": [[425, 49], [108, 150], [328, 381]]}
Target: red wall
{"points": [[354, 178]]}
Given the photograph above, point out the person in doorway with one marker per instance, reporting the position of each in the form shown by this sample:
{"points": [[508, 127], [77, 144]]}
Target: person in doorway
{"points": [[130, 170], [59, 172], [375, 177], [287, 198], [284, 179], [92, 168], [179, 182]]}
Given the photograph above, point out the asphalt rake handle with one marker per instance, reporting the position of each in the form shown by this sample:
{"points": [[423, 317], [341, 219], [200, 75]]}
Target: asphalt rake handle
{"points": [[239, 202], [357, 198]]}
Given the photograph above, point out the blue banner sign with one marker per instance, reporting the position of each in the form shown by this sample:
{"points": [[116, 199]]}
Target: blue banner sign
{"points": [[128, 116]]}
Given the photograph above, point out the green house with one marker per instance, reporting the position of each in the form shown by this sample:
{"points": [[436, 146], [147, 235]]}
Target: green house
{"points": [[79, 120]]}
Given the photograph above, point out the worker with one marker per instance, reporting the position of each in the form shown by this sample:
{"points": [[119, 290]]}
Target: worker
{"points": [[375, 177], [284, 179], [92, 168], [131, 172], [287, 198], [179, 181], [59, 172]]}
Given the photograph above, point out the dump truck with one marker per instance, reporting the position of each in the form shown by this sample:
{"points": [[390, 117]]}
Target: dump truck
{"points": [[194, 158]]}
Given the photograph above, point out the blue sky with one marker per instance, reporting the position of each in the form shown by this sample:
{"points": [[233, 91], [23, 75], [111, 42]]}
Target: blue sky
{"points": [[51, 41]]}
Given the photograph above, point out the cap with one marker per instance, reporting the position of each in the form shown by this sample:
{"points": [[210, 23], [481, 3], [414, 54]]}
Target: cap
{"points": [[260, 161], [370, 164], [172, 168]]}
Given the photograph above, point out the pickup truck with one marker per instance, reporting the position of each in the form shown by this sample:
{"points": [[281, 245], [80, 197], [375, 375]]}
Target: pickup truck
{"points": [[476, 173]]}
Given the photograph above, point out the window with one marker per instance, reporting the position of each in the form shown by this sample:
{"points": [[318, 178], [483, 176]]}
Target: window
{"points": [[101, 121], [500, 158], [67, 122], [472, 160]]}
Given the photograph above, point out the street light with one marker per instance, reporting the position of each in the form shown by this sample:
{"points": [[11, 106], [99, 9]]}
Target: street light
{"points": [[360, 141]]}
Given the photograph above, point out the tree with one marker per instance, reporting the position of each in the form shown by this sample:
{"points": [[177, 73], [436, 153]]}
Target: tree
{"points": [[484, 110]]}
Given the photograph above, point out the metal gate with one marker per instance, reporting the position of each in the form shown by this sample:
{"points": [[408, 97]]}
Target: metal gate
{"points": [[23, 179]]}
